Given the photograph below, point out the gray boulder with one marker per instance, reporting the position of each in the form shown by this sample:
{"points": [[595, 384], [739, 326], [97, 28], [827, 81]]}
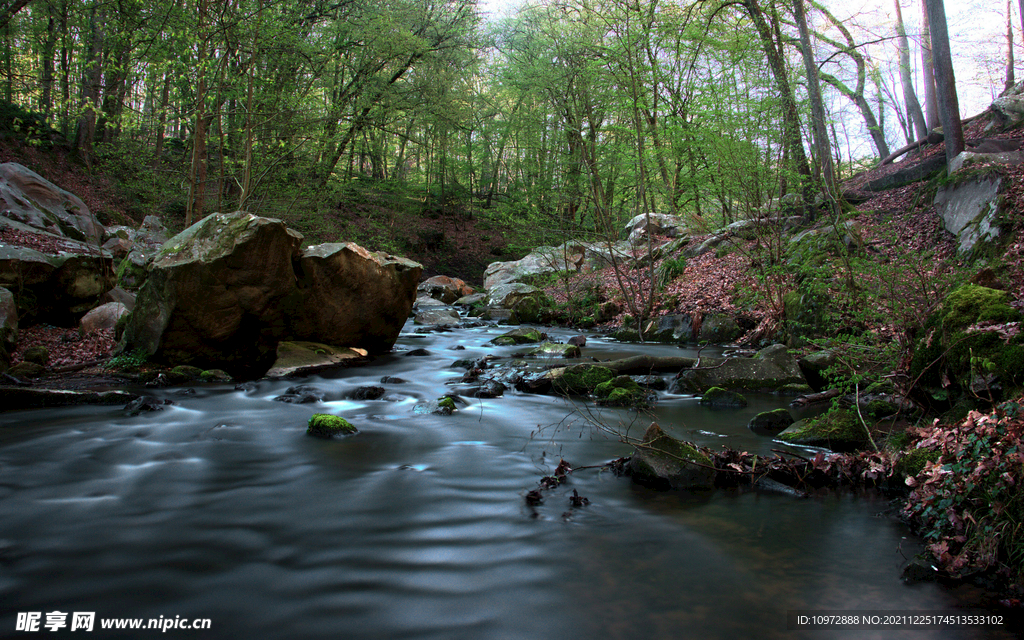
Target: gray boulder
{"points": [[971, 210], [104, 316], [438, 318], [33, 200]]}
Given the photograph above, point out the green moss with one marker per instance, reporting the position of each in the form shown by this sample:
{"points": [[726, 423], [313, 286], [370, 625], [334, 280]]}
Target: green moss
{"points": [[518, 336], [621, 391], [839, 429], [582, 379], [323, 425], [187, 371], [446, 403], [719, 397], [971, 304], [215, 375], [912, 463]]}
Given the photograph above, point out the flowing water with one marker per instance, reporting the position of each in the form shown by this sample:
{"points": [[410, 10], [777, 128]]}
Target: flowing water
{"points": [[221, 508]]}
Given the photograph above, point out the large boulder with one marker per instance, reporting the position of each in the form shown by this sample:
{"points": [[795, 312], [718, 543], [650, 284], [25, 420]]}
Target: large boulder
{"points": [[541, 261], [29, 198], [971, 208], [224, 292], [216, 295], [353, 297], [769, 370], [59, 288]]}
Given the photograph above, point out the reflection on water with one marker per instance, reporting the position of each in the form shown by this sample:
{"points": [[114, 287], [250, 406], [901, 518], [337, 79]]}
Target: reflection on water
{"points": [[220, 507]]}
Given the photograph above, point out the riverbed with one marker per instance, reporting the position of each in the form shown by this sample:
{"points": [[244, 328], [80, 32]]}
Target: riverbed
{"points": [[221, 508]]}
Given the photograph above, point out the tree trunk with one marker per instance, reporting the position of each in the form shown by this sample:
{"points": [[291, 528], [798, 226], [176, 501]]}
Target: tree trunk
{"points": [[1010, 80], [931, 105], [790, 115], [46, 78], [821, 139], [914, 113], [945, 82], [91, 82]]}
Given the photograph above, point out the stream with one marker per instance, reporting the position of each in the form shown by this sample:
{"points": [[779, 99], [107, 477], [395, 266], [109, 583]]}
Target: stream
{"points": [[221, 508]]}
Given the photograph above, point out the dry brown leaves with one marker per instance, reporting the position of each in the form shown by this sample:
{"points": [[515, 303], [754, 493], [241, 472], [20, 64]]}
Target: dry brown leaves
{"points": [[67, 347]]}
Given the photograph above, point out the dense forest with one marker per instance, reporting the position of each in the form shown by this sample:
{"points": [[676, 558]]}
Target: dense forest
{"points": [[554, 118]]}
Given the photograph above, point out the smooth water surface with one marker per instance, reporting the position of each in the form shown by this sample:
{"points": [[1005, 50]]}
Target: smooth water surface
{"points": [[221, 507]]}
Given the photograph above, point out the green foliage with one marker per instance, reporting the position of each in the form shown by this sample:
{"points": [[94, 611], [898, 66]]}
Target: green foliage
{"points": [[28, 127], [967, 503], [128, 362]]}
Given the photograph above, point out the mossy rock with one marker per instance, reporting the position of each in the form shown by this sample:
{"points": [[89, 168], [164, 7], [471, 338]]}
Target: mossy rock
{"points": [[215, 375], [663, 462], [187, 371], [446, 403], [582, 379], [971, 304], [719, 397], [621, 391], [324, 425], [556, 350], [913, 461], [37, 355], [522, 335], [839, 430], [770, 422], [949, 352]]}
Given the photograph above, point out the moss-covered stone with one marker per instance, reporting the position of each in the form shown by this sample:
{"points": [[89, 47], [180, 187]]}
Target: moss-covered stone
{"points": [[556, 350], [770, 421], [446, 403], [839, 430], [582, 379], [215, 375], [27, 370], [522, 335], [187, 371], [971, 303], [37, 355], [324, 425], [949, 353], [663, 462], [719, 397], [621, 391]]}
